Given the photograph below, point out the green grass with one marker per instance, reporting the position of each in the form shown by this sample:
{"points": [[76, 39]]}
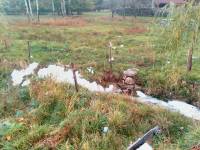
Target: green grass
{"points": [[84, 115]]}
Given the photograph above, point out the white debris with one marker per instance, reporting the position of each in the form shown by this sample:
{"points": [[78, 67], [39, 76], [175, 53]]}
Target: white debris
{"points": [[183, 108], [145, 146], [122, 46], [17, 76], [60, 75], [111, 59], [105, 129], [90, 70]]}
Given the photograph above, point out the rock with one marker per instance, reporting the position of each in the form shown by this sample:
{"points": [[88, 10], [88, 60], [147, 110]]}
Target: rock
{"points": [[129, 81], [131, 72]]}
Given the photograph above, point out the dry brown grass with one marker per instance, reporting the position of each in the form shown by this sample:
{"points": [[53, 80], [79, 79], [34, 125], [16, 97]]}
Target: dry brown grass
{"points": [[54, 139], [67, 21], [47, 90], [136, 30]]}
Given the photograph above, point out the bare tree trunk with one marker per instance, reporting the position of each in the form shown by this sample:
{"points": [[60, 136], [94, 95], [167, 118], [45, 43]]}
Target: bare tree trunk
{"points": [[153, 4], [37, 6], [64, 8], [53, 7], [69, 7], [61, 7], [113, 12], [30, 9], [124, 9], [27, 10]]}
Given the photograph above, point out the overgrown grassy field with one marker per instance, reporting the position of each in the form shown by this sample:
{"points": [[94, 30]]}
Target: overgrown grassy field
{"points": [[49, 115]]}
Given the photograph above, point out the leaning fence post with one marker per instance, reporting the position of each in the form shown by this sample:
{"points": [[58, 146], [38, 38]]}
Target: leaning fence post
{"points": [[29, 50], [74, 76]]}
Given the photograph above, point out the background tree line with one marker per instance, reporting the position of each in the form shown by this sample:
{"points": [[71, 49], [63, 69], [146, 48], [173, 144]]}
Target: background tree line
{"points": [[66, 7]]}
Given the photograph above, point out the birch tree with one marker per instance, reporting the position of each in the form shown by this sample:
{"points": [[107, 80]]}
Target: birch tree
{"points": [[27, 10], [37, 7], [64, 7], [53, 7], [61, 7], [30, 9], [69, 7], [124, 8]]}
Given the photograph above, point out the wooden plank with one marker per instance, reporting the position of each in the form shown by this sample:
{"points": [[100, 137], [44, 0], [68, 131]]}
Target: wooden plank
{"points": [[143, 139]]}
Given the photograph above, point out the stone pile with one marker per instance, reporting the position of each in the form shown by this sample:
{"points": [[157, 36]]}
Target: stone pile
{"points": [[128, 85]]}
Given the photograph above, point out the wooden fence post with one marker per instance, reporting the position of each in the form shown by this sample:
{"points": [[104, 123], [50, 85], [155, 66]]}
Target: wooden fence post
{"points": [[5, 44], [189, 60], [29, 51], [74, 75], [110, 55]]}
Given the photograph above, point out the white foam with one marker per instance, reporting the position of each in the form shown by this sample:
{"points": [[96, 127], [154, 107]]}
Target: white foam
{"points": [[18, 76], [60, 75], [183, 108]]}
